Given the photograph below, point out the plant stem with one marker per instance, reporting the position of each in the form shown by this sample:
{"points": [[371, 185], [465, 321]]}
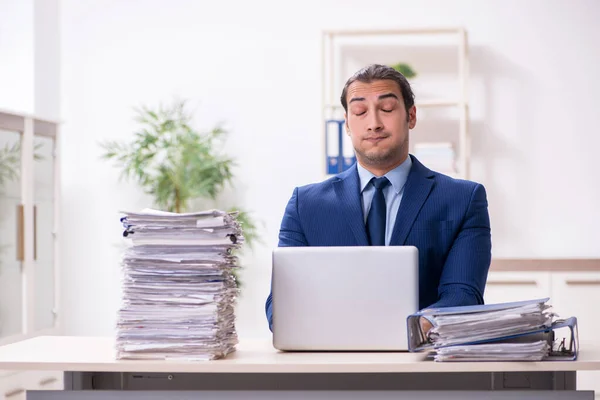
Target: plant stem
{"points": [[177, 201]]}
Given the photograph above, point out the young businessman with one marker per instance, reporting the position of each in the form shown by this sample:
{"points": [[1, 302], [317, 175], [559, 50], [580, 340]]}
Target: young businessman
{"points": [[389, 198]]}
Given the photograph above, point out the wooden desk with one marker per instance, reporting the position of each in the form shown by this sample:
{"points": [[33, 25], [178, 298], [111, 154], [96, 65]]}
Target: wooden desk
{"points": [[89, 363]]}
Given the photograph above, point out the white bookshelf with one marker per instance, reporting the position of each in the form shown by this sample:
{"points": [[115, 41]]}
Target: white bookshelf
{"points": [[459, 101], [29, 252]]}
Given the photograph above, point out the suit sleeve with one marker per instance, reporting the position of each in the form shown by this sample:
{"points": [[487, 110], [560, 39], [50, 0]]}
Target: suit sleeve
{"points": [[465, 272], [290, 234]]}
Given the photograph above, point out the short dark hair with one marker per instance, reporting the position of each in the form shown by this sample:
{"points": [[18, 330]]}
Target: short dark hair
{"points": [[376, 72]]}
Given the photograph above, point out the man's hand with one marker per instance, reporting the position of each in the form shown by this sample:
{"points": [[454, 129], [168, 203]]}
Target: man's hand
{"points": [[425, 326]]}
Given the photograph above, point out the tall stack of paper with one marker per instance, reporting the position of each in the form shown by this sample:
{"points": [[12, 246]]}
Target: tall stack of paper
{"points": [[518, 331], [178, 285]]}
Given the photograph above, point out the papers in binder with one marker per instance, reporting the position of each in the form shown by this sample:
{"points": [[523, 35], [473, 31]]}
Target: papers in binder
{"points": [[484, 325], [555, 343], [533, 351], [522, 331]]}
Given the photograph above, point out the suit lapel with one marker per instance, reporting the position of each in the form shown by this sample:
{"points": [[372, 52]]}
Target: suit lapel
{"points": [[347, 190], [416, 191]]}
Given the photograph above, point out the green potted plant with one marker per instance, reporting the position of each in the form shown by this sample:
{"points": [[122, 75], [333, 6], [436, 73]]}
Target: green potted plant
{"points": [[174, 163], [405, 70]]}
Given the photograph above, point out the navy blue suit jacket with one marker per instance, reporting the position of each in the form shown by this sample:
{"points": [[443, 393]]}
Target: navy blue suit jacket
{"points": [[446, 219]]}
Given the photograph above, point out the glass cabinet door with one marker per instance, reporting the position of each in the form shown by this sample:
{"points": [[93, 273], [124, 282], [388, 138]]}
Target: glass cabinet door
{"points": [[11, 235], [44, 232]]}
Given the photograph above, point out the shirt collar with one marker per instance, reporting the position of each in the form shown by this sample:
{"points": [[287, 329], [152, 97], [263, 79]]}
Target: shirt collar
{"points": [[397, 176]]}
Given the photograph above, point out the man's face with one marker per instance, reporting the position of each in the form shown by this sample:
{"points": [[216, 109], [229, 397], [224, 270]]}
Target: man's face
{"points": [[378, 124]]}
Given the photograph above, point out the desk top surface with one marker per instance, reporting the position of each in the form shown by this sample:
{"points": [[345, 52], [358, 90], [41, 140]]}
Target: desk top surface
{"points": [[97, 354]]}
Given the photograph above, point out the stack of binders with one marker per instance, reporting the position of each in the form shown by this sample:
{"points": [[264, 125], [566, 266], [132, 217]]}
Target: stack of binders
{"points": [[178, 289], [518, 331]]}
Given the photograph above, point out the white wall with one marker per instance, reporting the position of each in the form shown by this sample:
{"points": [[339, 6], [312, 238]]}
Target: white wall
{"points": [[256, 65], [47, 59], [30, 57], [17, 55]]}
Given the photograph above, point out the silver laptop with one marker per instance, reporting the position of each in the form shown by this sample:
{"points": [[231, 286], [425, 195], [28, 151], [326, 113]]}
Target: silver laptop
{"points": [[344, 298]]}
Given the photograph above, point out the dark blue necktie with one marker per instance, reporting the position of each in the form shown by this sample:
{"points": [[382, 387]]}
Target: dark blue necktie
{"points": [[376, 217]]}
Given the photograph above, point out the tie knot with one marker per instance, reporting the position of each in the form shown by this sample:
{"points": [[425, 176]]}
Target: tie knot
{"points": [[380, 183]]}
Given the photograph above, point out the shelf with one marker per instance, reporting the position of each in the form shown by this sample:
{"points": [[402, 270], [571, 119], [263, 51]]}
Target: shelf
{"points": [[419, 104], [6, 113], [459, 100], [12, 121], [438, 103], [423, 31]]}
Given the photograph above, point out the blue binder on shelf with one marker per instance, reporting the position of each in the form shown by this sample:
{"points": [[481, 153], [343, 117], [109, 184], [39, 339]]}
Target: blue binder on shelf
{"points": [[338, 148], [562, 334]]}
